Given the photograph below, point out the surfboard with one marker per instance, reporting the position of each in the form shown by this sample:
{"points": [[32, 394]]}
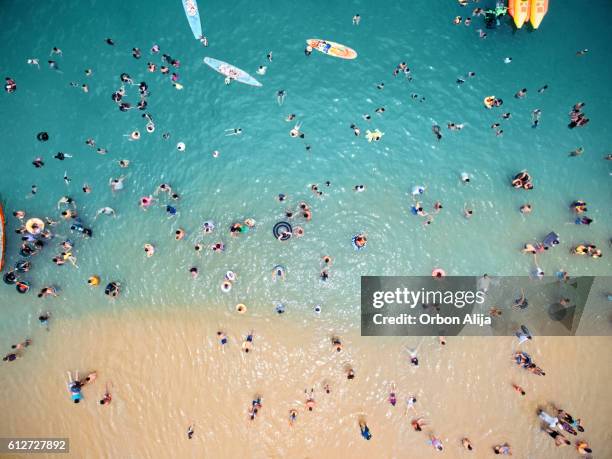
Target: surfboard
{"points": [[232, 72], [332, 49], [193, 16]]}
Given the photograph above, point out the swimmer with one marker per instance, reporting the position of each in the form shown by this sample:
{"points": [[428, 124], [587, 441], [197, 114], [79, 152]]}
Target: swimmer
{"points": [[467, 444], [577, 152], [105, 211], [255, 407], [179, 234], [22, 345], [543, 88], [295, 131], [365, 430], [310, 400], [67, 179], [526, 209], [107, 398], [44, 318], [222, 338], [327, 260], [410, 402], [503, 449], [280, 96], [190, 431], [308, 50], [336, 343], [465, 178], [356, 130], [356, 19], [194, 272], [417, 424], [233, 131], [442, 340], [518, 389], [247, 344], [116, 184], [414, 360], [436, 130], [359, 188], [47, 291], [437, 207], [33, 61], [436, 443], [507, 60], [146, 201], [559, 438], [350, 373], [149, 250], [262, 70], [269, 56], [583, 448], [535, 117], [292, 416], [61, 156], [582, 52], [374, 136], [392, 398], [467, 212]]}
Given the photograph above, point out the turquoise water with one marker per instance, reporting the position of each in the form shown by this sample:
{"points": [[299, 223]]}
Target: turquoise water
{"points": [[328, 95]]}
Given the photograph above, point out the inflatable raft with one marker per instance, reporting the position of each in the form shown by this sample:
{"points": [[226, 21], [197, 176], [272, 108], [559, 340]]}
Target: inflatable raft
{"points": [[519, 10], [523, 11], [539, 8]]}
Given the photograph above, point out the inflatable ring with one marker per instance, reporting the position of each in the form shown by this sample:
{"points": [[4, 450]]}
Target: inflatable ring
{"points": [[278, 272], [282, 231], [94, 281], [241, 308], [23, 287], [357, 246], [35, 226], [22, 266], [438, 273], [181, 146], [226, 286], [230, 276], [9, 278], [489, 101]]}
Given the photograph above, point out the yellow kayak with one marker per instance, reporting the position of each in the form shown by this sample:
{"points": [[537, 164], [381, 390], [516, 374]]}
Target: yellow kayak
{"points": [[332, 49], [519, 10], [539, 8]]}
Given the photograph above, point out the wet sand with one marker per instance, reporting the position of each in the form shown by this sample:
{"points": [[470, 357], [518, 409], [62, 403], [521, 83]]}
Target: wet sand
{"points": [[167, 371]]}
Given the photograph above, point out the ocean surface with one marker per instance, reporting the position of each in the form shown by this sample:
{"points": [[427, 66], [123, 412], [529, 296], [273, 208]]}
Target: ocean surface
{"points": [[327, 95]]}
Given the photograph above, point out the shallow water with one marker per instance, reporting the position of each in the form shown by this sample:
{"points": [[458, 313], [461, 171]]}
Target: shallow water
{"points": [[328, 95]]}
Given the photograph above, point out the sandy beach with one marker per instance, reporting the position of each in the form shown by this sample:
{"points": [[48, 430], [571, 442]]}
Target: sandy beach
{"points": [[168, 371]]}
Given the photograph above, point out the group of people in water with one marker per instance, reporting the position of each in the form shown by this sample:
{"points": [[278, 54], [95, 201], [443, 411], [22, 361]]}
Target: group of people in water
{"points": [[37, 235]]}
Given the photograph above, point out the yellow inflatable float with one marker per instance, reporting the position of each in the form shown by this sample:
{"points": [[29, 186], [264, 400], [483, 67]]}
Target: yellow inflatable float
{"points": [[523, 11], [539, 8], [519, 10]]}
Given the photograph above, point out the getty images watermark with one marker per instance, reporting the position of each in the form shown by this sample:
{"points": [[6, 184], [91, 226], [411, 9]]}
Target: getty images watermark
{"points": [[485, 306]]}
